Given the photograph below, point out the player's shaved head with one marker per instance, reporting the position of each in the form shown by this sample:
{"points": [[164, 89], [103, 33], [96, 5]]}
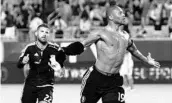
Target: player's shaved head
{"points": [[110, 10], [116, 14]]}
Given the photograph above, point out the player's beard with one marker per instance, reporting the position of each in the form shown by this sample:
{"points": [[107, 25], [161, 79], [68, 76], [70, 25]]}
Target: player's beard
{"points": [[42, 42], [121, 21]]}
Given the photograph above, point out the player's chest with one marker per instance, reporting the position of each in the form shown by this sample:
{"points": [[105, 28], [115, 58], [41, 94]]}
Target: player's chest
{"points": [[117, 40], [38, 55]]}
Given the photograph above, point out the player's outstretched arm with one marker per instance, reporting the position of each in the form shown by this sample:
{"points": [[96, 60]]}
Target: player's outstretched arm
{"points": [[92, 38], [136, 53], [77, 48]]}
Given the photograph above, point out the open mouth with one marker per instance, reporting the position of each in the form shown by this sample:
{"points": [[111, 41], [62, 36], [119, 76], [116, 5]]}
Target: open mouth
{"points": [[44, 38]]}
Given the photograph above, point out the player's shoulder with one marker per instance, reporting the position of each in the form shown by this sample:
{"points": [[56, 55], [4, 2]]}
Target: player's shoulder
{"points": [[54, 45], [97, 32], [28, 46], [31, 44], [94, 31], [125, 34]]}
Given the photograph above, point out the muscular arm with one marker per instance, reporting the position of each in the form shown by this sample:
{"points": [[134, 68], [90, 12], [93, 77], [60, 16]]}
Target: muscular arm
{"points": [[77, 48], [92, 38], [135, 52]]}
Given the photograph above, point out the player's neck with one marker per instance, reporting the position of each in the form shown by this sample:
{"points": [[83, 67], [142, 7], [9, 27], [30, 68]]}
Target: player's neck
{"points": [[113, 27], [40, 45]]}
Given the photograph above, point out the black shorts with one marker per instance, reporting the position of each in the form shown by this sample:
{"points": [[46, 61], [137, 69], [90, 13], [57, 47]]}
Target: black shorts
{"points": [[96, 85], [32, 93]]}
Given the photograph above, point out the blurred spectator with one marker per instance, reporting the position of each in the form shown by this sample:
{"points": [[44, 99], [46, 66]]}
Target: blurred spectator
{"points": [[168, 5], [10, 26], [76, 10], [3, 21], [112, 2], [144, 16], [28, 5], [74, 17], [155, 16], [85, 26], [56, 19], [103, 6], [54, 14], [37, 8], [48, 7], [22, 19], [59, 25], [19, 18], [34, 23], [25, 15], [96, 16], [170, 27], [137, 16], [86, 11], [164, 14], [81, 4], [65, 11], [137, 10], [85, 23]]}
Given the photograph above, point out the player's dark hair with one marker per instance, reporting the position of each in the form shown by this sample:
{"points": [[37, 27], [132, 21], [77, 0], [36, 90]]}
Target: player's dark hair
{"points": [[43, 25]]}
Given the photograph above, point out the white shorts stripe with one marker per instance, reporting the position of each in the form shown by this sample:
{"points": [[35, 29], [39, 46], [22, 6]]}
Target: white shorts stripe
{"points": [[84, 80]]}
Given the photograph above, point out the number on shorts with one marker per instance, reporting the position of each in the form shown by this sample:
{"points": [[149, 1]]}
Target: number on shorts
{"points": [[120, 97], [48, 98]]}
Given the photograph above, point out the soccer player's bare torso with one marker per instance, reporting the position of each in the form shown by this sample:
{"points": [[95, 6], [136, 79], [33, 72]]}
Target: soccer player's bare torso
{"points": [[110, 50]]}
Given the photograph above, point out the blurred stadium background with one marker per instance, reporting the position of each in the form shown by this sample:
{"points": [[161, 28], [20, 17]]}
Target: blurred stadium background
{"points": [[150, 27]]}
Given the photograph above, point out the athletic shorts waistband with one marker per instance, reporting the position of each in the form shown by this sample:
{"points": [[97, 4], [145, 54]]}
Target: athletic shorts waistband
{"points": [[105, 73]]}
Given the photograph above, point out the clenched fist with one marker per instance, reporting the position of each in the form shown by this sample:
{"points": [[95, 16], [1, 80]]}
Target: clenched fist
{"points": [[25, 59]]}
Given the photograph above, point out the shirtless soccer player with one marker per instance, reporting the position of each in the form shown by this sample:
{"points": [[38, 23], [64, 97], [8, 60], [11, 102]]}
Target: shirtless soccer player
{"points": [[103, 79]]}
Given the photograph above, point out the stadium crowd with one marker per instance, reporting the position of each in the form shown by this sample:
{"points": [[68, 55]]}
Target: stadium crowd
{"points": [[74, 18]]}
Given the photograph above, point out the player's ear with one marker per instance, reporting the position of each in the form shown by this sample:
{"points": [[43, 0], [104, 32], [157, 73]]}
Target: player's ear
{"points": [[110, 17], [36, 33]]}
